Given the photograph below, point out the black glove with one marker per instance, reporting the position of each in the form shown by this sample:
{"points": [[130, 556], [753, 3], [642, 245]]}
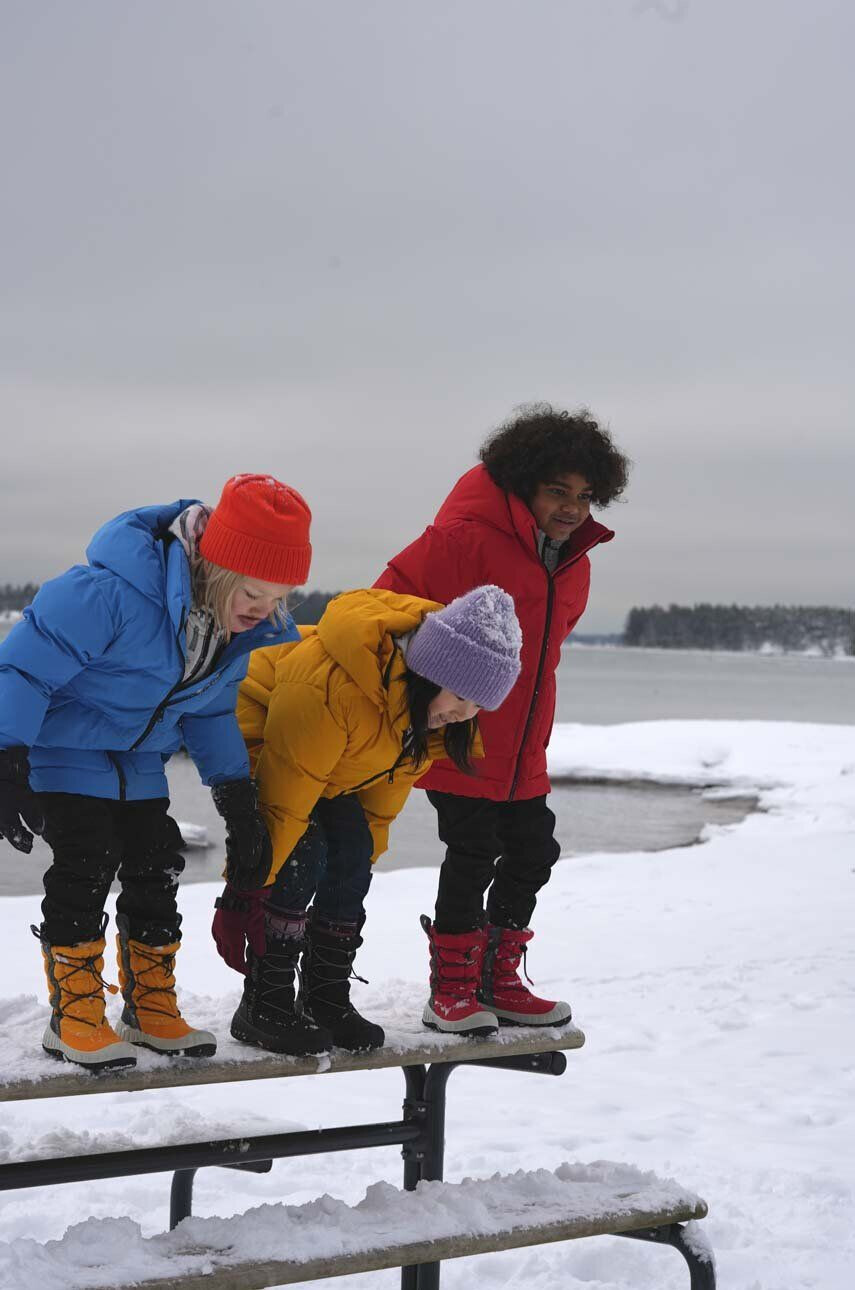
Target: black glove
{"points": [[18, 805], [249, 853]]}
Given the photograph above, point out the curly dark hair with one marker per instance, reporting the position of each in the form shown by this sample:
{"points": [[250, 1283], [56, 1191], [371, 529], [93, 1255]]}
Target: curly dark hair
{"points": [[540, 442]]}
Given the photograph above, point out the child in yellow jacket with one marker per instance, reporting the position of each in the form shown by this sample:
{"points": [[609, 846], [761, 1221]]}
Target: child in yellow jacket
{"points": [[338, 728]]}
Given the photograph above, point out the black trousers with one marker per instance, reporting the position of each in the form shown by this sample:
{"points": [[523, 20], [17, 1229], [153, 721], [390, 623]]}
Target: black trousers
{"points": [[506, 847], [94, 840]]}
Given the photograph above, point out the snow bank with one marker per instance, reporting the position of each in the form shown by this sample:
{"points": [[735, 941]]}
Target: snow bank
{"points": [[793, 766], [742, 753], [715, 985]]}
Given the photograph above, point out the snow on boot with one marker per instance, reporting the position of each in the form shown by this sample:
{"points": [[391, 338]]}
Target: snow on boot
{"points": [[269, 1014], [455, 973], [78, 1030], [504, 992], [151, 1018], [327, 970]]}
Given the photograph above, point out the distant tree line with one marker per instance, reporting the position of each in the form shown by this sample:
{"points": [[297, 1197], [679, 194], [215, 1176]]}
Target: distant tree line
{"points": [[16, 597], [792, 628], [305, 607], [308, 607]]}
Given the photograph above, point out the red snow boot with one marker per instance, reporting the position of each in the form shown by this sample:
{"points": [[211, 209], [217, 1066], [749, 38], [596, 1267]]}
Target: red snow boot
{"points": [[503, 991], [455, 971]]}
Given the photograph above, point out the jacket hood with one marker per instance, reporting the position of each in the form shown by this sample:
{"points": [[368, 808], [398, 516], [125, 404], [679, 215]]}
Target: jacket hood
{"points": [[130, 547], [357, 628], [476, 497]]}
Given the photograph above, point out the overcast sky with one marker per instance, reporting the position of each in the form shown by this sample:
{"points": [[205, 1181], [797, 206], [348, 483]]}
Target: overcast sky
{"points": [[339, 240]]}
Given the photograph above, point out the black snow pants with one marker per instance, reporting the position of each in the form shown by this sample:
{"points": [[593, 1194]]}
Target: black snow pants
{"points": [[94, 840], [508, 847]]}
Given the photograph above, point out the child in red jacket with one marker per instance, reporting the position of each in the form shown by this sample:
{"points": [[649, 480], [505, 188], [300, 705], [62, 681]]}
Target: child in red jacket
{"points": [[520, 520]]}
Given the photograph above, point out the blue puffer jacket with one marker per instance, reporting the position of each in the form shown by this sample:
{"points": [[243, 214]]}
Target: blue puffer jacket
{"points": [[90, 679]]}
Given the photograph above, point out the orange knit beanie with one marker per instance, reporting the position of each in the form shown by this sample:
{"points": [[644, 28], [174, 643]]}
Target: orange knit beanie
{"points": [[260, 528]]}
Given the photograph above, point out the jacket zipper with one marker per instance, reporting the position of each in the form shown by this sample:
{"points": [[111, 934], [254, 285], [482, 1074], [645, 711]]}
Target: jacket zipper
{"points": [[165, 703], [183, 684], [159, 711], [372, 779], [543, 644], [120, 775], [390, 770], [550, 596]]}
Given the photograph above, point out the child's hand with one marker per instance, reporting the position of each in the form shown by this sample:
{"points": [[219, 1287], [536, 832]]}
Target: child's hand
{"points": [[19, 806], [249, 853], [238, 924]]}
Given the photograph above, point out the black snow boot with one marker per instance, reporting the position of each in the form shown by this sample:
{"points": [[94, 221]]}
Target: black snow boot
{"points": [[269, 1013], [327, 973]]}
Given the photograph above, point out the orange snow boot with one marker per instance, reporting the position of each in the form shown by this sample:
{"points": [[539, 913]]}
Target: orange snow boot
{"points": [[78, 1030], [151, 1017]]}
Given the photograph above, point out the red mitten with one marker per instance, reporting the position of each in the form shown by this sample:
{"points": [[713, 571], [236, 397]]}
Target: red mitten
{"points": [[238, 923]]}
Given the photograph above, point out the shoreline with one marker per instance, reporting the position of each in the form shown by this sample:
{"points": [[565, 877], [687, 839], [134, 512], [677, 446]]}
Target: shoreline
{"points": [[706, 651]]}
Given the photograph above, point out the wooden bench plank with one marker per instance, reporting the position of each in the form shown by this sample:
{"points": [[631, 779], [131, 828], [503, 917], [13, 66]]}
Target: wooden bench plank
{"points": [[389, 1228], [237, 1062]]}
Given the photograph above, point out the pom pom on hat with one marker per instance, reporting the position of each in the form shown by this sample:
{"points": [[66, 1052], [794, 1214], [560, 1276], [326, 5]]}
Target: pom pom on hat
{"points": [[471, 647], [260, 528]]}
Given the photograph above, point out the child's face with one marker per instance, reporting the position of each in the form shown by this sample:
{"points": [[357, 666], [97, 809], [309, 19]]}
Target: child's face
{"points": [[448, 707], [561, 504], [253, 601]]}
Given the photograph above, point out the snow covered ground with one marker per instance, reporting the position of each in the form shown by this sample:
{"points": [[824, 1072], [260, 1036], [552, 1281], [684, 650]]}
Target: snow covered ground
{"points": [[715, 987]]}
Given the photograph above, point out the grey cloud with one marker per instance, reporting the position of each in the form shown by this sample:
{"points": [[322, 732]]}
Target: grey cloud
{"points": [[341, 241]]}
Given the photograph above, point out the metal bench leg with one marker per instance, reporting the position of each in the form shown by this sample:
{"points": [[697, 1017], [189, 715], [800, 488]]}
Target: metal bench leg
{"points": [[181, 1196], [701, 1268], [415, 1111], [433, 1164], [424, 1159]]}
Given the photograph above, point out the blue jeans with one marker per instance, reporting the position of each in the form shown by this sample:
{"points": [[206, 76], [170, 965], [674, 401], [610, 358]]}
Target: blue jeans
{"points": [[332, 862]]}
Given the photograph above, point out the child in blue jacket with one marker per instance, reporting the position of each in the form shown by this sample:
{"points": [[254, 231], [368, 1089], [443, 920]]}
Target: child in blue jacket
{"points": [[114, 666]]}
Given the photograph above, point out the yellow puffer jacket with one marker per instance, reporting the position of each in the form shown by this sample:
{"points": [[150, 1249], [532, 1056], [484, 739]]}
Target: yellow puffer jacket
{"points": [[327, 715]]}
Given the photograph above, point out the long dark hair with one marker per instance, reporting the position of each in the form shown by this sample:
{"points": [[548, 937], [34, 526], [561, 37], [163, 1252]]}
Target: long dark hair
{"points": [[458, 736]]}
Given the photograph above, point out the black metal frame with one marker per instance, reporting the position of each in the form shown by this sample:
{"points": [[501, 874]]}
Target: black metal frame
{"points": [[421, 1135], [424, 1105], [701, 1270]]}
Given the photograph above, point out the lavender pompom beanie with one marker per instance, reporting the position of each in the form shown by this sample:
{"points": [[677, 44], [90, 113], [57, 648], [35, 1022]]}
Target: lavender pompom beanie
{"points": [[471, 647]]}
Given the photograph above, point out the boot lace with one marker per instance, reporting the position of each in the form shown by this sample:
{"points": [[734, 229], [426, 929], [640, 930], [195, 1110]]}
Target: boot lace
{"points": [[90, 990], [277, 975], [509, 955], [157, 994], [454, 971], [331, 968]]}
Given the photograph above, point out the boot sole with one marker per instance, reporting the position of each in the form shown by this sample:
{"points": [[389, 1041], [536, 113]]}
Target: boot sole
{"points": [[249, 1034], [358, 1048], [123, 1055], [518, 1019], [369, 1046], [479, 1027], [205, 1045], [476, 1032]]}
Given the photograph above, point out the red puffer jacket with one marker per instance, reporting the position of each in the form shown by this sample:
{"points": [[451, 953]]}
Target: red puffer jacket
{"points": [[484, 535]]}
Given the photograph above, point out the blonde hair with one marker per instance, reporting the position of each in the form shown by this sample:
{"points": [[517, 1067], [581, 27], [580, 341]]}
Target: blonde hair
{"points": [[214, 588]]}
